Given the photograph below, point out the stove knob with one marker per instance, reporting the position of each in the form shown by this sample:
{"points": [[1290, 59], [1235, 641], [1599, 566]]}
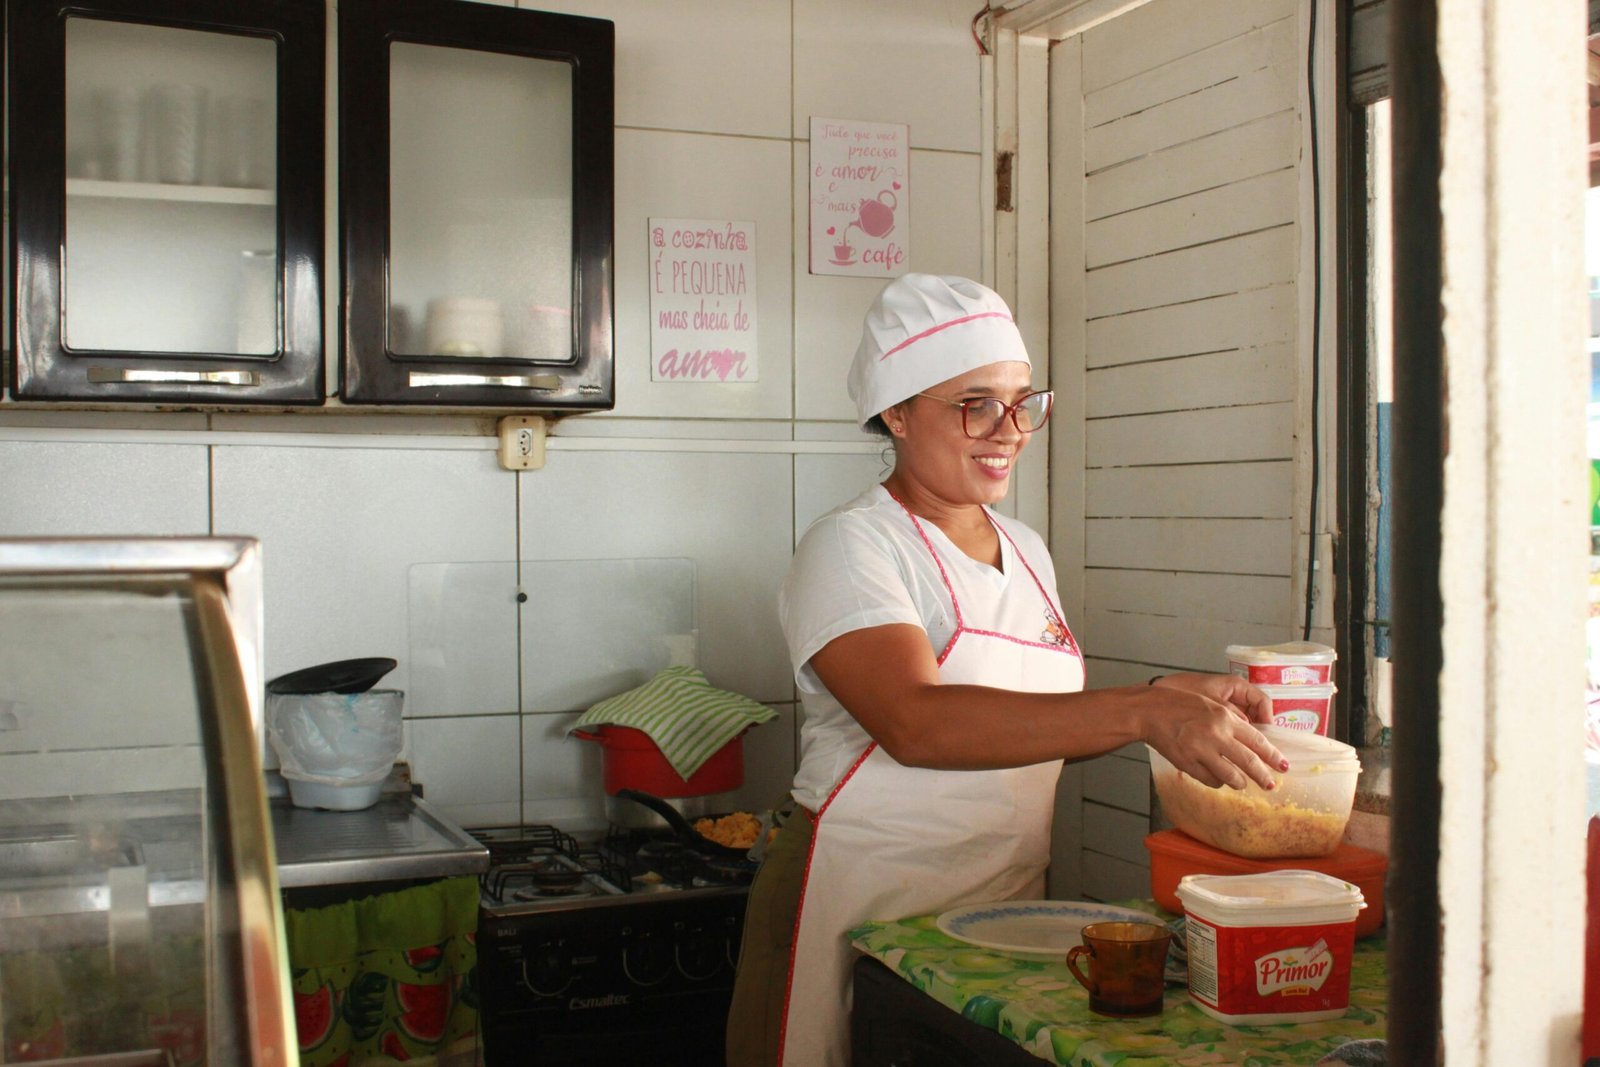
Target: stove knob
{"points": [[646, 960], [700, 953], [547, 969]]}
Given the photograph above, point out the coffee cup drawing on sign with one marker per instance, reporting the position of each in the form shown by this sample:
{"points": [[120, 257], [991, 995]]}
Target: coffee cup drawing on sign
{"points": [[844, 253], [876, 216]]}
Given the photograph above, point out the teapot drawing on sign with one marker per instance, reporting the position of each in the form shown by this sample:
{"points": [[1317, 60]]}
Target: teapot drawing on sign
{"points": [[876, 216]]}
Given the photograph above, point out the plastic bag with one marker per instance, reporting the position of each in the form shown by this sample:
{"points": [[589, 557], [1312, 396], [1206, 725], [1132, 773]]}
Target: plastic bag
{"points": [[336, 738]]}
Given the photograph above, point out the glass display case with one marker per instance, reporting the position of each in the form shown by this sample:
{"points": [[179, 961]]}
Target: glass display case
{"points": [[476, 205], [167, 177], [139, 906]]}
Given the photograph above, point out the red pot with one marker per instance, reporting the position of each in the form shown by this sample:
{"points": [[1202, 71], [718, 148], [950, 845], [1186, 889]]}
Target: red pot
{"points": [[630, 760]]}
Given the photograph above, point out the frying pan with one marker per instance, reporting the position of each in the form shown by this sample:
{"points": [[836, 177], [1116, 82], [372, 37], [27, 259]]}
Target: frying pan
{"points": [[684, 829]]}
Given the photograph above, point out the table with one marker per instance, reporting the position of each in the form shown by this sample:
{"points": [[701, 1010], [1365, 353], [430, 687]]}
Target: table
{"points": [[1041, 1009]]}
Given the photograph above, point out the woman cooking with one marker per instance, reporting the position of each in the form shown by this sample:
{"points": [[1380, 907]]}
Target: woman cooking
{"points": [[940, 683]]}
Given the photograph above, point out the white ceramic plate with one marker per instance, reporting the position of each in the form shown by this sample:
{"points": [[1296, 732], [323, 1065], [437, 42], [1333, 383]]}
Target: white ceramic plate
{"points": [[1036, 929]]}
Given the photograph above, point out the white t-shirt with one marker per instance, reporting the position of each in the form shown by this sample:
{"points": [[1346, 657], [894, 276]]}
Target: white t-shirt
{"points": [[864, 564]]}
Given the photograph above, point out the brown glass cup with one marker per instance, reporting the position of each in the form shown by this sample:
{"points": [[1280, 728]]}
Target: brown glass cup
{"points": [[1127, 967]]}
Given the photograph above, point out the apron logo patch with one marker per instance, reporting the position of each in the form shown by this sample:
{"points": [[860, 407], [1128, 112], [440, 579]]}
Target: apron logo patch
{"points": [[1055, 631]]}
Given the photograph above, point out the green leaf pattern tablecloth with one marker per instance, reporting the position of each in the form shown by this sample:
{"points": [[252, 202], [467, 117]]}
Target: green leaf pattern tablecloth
{"points": [[1040, 1006]]}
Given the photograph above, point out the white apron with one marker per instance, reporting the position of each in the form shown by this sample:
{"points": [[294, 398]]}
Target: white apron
{"points": [[892, 841]]}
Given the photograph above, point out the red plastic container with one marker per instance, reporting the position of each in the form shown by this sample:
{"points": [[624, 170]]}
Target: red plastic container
{"points": [[630, 760], [1293, 663], [1174, 854], [1301, 707]]}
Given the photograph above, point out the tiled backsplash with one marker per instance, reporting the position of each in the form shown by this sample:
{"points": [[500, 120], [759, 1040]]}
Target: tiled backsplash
{"points": [[353, 513], [629, 558]]}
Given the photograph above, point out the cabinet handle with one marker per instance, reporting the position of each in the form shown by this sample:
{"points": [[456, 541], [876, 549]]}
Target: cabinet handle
{"points": [[512, 381], [105, 375]]}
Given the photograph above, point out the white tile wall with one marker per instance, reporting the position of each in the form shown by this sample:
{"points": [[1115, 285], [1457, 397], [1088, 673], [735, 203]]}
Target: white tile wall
{"points": [[722, 69], [340, 529], [402, 552], [469, 767], [729, 512], [676, 175], [91, 489], [911, 61]]}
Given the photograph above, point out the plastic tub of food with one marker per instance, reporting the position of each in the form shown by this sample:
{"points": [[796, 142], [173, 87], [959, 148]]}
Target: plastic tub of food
{"points": [[1301, 707], [1303, 815], [1174, 855], [1292, 663], [1270, 948]]}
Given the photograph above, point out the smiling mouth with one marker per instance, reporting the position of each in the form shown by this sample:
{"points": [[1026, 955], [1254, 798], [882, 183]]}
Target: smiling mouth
{"points": [[993, 463]]}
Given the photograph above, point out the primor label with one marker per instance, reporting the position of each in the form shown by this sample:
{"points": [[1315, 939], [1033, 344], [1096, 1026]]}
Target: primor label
{"points": [[1293, 971]]}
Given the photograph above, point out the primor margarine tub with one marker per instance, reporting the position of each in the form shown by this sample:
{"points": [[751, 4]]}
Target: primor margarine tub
{"points": [[1270, 948]]}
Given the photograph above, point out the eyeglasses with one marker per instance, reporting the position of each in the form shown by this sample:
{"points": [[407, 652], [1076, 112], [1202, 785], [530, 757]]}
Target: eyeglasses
{"points": [[982, 416]]}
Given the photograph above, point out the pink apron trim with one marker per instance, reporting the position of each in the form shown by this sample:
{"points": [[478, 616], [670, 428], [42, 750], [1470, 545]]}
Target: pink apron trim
{"points": [[914, 338], [800, 909]]}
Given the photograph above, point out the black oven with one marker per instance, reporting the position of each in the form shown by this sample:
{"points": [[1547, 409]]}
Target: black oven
{"points": [[616, 952]]}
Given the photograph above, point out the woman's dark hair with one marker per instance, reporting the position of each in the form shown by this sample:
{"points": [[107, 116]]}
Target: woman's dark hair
{"points": [[877, 427]]}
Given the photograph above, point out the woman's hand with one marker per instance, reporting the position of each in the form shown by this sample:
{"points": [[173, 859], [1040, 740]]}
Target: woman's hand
{"points": [[1225, 689], [1208, 737]]}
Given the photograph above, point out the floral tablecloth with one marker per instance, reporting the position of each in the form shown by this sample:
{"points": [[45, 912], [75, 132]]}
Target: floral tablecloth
{"points": [[1043, 1009]]}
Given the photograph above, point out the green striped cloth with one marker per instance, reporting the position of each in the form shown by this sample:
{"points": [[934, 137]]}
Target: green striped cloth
{"points": [[680, 711]]}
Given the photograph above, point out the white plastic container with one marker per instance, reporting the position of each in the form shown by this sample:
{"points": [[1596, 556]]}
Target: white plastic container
{"points": [[333, 796], [1292, 663], [466, 327], [1301, 707], [1270, 948]]}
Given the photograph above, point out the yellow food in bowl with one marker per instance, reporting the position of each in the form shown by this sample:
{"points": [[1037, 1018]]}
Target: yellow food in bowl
{"points": [[738, 830], [1245, 822]]}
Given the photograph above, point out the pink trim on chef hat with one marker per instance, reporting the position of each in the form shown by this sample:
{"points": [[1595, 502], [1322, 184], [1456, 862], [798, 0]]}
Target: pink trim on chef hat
{"points": [[925, 329]]}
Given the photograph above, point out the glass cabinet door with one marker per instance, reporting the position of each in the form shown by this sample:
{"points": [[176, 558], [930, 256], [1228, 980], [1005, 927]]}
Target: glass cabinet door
{"points": [[475, 162], [139, 911], [168, 186]]}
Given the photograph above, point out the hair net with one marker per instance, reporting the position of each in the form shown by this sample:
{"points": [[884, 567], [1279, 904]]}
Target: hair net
{"points": [[925, 329]]}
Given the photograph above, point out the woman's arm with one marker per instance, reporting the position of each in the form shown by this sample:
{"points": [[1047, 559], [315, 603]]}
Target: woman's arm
{"points": [[886, 677]]}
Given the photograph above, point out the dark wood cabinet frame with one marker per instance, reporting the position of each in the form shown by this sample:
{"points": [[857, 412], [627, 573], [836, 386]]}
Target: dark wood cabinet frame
{"points": [[370, 372], [43, 368]]}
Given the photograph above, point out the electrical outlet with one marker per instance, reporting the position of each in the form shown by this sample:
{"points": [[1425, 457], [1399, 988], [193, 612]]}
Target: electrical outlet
{"points": [[522, 442]]}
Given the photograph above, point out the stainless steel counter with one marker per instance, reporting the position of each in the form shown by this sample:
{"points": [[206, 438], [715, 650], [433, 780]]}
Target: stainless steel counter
{"points": [[400, 837]]}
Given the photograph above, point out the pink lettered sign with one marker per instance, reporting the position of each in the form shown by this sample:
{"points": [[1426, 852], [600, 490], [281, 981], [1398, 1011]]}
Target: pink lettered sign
{"points": [[702, 300], [860, 198]]}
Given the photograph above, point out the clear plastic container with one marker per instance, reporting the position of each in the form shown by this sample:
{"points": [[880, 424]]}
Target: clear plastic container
{"points": [[1270, 948], [1291, 663], [1305, 815]]}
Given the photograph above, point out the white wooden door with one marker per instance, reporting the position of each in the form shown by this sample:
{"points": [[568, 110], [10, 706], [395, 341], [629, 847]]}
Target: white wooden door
{"points": [[1176, 352]]}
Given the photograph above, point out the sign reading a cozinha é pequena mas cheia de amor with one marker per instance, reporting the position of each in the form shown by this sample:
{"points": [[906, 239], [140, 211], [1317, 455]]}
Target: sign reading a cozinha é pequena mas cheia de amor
{"points": [[702, 301], [860, 198]]}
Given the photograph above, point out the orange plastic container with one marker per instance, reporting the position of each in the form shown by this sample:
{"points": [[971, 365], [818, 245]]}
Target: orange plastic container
{"points": [[1174, 854]]}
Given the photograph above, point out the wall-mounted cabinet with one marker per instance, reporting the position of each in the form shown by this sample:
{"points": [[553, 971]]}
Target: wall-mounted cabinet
{"points": [[168, 196], [475, 201], [167, 168]]}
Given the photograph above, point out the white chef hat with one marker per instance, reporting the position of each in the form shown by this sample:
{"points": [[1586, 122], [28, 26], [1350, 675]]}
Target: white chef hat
{"points": [[925, 329]]}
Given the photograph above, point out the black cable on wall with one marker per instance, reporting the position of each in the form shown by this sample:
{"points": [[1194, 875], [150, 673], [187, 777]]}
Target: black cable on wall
{"points": [[1316, 325]]}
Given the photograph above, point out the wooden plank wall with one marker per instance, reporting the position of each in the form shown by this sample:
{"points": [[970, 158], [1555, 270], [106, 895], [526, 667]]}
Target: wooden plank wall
{"points": [[1190, 127]]}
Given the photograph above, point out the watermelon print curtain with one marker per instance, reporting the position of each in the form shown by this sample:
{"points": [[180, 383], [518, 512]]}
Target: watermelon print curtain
{"points": [[388, 978]]}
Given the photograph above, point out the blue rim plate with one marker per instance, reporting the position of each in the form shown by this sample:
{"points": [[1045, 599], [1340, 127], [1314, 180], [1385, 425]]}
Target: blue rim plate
{"points": [[1038, 929]]}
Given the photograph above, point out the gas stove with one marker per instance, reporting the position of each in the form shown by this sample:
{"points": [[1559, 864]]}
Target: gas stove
{"points": [[604, 948], [542, 868]]}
